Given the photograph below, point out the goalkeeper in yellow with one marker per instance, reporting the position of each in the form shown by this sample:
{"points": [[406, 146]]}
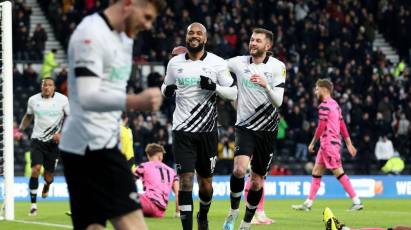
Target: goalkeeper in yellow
{"points": [[126, 141]]}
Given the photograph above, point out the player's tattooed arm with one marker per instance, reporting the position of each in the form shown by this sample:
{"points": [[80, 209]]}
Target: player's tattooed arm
{"points": [[25, 122]]}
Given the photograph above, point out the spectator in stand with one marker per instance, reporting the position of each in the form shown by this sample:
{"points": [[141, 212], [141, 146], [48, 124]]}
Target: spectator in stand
{"points": [[30, 77], [281, 134], [38, 42], [21, 43], [384, 150], [401, 126], [225, 155], [61, 81], [49, 64], [302, 139], [365, 157]]}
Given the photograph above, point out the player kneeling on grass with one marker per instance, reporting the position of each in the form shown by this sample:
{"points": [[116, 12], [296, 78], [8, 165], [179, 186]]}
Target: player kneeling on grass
{"points": [[158, 181]]}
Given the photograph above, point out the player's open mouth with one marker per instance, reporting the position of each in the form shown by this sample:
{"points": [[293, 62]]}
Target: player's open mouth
{"points": [[194, 42]]}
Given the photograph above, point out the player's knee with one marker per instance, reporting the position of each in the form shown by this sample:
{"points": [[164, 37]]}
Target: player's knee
{"points": [[205, 185], [35, 170], [186, 181], [239, 172], [95, 227]]}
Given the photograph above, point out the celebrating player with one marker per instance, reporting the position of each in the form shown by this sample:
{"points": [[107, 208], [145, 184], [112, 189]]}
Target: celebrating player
{"points": [[100, 183], [261, 81], [158, 181], [48, 109], [330, 125], [196, 78]]}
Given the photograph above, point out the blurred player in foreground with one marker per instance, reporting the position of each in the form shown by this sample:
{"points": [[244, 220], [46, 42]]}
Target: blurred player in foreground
{"points": [[100, 183], [330, 126]]}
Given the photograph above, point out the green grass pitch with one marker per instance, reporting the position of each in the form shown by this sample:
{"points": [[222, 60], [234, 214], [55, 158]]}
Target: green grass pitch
{"points": [[377, 213]]}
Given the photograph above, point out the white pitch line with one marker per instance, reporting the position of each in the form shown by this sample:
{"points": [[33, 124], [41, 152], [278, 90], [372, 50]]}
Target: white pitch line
{"points": [[43, 223]]}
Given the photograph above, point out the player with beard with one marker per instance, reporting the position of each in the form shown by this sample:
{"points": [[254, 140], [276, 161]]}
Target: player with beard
{"points": [[196, 78], [99, 180], [330, 126], [260, 81]]}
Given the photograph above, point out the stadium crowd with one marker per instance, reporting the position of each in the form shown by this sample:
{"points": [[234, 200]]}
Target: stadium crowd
{"points": [[316, 39]]}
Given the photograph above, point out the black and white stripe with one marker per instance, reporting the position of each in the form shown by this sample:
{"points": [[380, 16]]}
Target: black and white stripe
{"points": [[53, 129], [203, 117], [265, 118]]}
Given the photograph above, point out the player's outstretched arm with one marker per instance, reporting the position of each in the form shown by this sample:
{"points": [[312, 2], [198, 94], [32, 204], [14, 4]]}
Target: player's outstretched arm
{"points": [[176, 187], [93, 98], [226, 92], [148, 100], [25, 122], [344, 132]]}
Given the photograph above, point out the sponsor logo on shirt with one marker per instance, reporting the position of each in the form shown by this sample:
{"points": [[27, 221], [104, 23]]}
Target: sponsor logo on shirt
{"points": [[121, 73], [188, 81]]}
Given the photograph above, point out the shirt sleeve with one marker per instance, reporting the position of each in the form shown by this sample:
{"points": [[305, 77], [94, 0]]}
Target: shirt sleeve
{"points": [[224, 77], [30, 107], [320, 129], [88, 56], [66, 107], [176, 178], [280, 73], [343, 129], [139, 173], [170, 78], [231, 64]]}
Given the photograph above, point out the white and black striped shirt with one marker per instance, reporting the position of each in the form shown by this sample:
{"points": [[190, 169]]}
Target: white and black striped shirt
{"points": [[255, 110], [97, 51], [196, 108], [48, 115]]}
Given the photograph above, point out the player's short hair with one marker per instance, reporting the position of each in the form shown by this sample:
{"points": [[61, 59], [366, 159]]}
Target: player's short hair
{"points": [[268, 34], [160, 5], [153, 148], [325, 83], [48, 78]]}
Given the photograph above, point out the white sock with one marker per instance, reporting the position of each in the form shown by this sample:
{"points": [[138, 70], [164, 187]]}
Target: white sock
{"points": [[234, 211], [345, 228], [34, 205], [308, 202], [356, 200]]}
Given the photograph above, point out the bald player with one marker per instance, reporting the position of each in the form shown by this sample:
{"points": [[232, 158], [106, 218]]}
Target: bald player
{"points": [[196, 78]]}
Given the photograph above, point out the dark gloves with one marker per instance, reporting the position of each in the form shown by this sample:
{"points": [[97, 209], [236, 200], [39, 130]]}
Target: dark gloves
{"points": [[170, 89], [207, 83]]}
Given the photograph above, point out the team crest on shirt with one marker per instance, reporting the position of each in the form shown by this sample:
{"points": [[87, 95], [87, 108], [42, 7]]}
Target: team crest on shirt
{"points": [[268, 75], [207, 72]]}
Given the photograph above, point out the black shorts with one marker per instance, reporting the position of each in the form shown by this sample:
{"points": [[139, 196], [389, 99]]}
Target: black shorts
{"points": [[44, 153], [195, 151], [259, 145], [101, 186]]}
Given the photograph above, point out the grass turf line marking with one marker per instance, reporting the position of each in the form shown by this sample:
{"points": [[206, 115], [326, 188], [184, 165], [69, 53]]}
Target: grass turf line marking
{"points": [[43, 223]]}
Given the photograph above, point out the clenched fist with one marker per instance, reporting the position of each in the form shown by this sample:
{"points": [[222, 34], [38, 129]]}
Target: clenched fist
{"points": [[149, 100]]}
